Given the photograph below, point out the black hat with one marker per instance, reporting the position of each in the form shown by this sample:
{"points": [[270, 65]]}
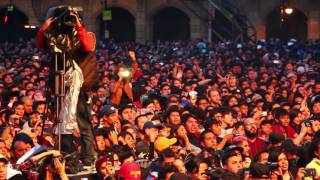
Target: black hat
{"points": [[289, 146], [106, 110], [127, 106], [151, 124], [233, 148], [276, 137]]}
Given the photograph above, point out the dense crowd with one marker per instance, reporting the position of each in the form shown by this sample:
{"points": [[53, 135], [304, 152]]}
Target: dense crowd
{"points": [[177, 110]]}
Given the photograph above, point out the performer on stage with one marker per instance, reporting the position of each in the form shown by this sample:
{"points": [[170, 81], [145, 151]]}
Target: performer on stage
{"points": [[64, 32]]}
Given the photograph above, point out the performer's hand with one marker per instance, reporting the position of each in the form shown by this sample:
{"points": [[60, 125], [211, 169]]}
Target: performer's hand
{"points": [[77, 18], [47, 23], [132, 55]]}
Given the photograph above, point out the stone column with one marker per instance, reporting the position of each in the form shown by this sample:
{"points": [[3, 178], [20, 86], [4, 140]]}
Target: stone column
{"points": [[314, 25], [195, 28], [140, 23]]}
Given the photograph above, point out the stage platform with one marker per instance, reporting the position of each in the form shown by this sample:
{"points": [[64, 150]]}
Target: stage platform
{"points": [[83, 175]]}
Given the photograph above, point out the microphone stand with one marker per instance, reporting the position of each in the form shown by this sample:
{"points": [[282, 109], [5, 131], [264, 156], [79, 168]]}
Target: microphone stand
{"points": [[59, 78]]}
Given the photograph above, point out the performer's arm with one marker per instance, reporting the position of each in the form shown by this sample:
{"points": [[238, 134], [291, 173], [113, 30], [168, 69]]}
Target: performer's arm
{"points": [[43, 28], [87, 39]]}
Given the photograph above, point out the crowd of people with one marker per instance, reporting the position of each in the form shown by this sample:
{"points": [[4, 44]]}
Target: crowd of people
{"points": [[172, 110]]}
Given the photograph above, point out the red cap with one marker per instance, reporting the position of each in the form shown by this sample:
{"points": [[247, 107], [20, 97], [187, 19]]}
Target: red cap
{"points": [[101, 160], [130, 171]]}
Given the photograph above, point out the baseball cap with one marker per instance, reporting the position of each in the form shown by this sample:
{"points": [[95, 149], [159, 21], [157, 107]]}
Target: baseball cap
{"points": [[101, 160], [163, 143], [130, 171], [107, 110], [150, 124], [276, 137]]}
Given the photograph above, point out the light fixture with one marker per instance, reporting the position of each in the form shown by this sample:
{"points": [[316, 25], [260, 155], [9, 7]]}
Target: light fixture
{"points": [[288, 10]]}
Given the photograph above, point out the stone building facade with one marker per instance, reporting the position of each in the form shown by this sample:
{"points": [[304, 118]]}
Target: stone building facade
{"points": [[145, 11]]}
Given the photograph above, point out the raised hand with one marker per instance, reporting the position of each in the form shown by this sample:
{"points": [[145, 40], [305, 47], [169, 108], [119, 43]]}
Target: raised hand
{"points": [[132, 55]]}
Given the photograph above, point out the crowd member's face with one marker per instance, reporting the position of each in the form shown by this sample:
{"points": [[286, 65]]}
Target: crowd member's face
{"points": [[252, 75], [157, 104], [263, 158], [245, 84], [101, 143], [165, 91], [232, 81], [111, 119], [209, 140], [216, 129], [28, 105], [246, 148], [250, 125], [153, 81], [228, 119], [177, 83], [232, 101], [151, 107], [8, 79], [174, 118], [244, 109], [284, 120], [129, 114], [192, 125], [19, 110], [266, 129], [203, 104], [3, 148], [283, 162], [3, 171], [168, 160], [38, 96], [106, 169], [240, 131], [141, 121], [101, 92], [225, 92], [153, 131], [215, 97], [189, 74], [202, 169], [20, 148], [41, 108], [14, 119], [316, 107], [234, 164], [298, 119], [129, 140]]}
